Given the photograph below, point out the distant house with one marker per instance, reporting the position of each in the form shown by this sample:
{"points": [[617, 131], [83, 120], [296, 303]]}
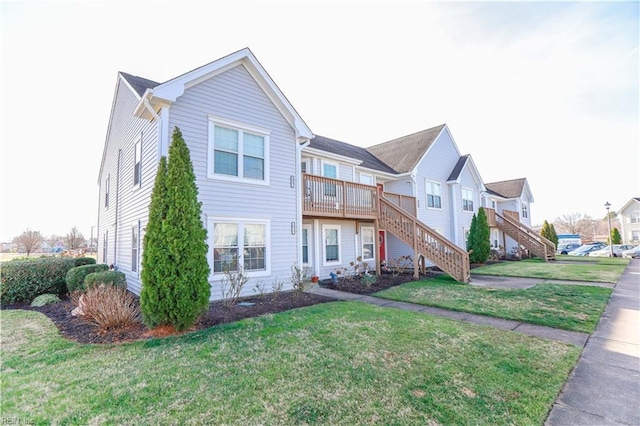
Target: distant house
{"points": [[629, 216], [274, 194]]}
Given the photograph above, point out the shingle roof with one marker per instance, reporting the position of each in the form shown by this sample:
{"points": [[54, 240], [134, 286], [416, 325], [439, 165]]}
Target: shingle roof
{"points": [[139, 84], [404, 153], [352, 151], [507, 188], [457, 169]]}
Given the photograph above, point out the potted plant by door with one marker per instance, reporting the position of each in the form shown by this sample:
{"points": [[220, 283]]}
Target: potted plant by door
{"points": [[314, 279]]}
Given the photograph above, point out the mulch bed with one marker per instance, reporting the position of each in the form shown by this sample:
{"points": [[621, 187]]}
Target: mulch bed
{"points": [[82, 331]]}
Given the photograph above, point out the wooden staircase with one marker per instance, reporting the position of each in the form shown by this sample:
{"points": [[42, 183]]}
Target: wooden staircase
{"points": [[524, 236], [425, 241]]}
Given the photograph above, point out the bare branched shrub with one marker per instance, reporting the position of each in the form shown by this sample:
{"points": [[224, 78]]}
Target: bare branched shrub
{"points": [[260, 289], [276, 289], [108, 306], [232, 284], [299, 278]]}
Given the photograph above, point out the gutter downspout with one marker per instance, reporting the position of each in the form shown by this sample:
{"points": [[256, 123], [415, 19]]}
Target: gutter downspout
{"points": [[298, 174]]}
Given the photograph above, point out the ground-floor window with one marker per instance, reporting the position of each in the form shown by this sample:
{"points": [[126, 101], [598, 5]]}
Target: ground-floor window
{"points": [[331, 246], [135, 246], [240, 243], [368, 242], [305, 244]]}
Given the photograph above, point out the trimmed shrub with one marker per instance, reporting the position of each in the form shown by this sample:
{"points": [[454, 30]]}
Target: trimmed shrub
{"points": [[24, 280], [108, 306], [79, 261], [44, 299], [114, 278], [76, 275]]}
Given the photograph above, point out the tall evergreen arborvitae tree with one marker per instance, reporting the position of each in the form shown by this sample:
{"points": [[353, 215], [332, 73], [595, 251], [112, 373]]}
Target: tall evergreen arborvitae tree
{"points": [[615, 236], [155, 257], [175, 281], [549, 232], [478, 243], [185, 235]]}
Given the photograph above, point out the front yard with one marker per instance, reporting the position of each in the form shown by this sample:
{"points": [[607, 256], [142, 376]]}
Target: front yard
{"points": [[332, 363]]}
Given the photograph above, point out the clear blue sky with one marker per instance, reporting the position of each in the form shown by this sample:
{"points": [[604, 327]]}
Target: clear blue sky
{"points": [[546, 91]]}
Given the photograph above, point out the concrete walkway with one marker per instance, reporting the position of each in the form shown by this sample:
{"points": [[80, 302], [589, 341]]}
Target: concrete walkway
{"points": [[604, 387]]}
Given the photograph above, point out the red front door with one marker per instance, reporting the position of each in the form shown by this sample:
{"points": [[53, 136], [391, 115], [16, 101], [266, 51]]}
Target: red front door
{"points": [[383, 244]]}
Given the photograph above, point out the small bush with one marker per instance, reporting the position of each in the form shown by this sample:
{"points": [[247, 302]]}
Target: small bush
{"points": [[109, 307], [76, 275], [24, 280], [232, 284], [44, 299], [368, 279], [299, 279], [79, 261], [114, 278]]}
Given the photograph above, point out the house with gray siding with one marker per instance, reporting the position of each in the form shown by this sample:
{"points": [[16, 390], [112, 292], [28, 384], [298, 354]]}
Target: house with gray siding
{"points": [[274, 194]]}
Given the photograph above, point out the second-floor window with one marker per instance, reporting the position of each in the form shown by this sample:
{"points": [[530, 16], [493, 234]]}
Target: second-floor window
{"points": [[137, 163], [467, 200], [238, 152], [106, 191], [525, 211], [434, 199], [635, 217]]}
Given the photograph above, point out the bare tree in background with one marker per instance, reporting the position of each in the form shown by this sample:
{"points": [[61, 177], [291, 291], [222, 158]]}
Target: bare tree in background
{"points": [[568, 223], [74, 239], [29, 240], [53, 239]]}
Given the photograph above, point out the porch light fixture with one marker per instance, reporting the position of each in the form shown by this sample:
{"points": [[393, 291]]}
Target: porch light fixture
{"points": [[607, 206]]}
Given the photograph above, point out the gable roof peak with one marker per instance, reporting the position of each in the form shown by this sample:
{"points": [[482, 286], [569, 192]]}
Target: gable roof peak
{"points": [[403, 153]]}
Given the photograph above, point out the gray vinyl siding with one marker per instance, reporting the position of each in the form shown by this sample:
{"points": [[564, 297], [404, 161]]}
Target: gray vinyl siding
{"points": [[436, 166], [131, 203], [234, 95], [464, 218]]}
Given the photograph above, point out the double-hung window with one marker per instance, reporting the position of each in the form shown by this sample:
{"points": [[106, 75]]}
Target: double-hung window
{"points": [[467, 200], [330, 170], [135, 246], [106, 191], [137, 163], [242, 243], [238, 152], [434, 200], [368, 242], [305, 244], [525, 211], [331, 246]]}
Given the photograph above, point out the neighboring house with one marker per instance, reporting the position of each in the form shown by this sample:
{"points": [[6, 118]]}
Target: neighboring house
{"points": [[629, 216], [509, 199], [274, 194]]}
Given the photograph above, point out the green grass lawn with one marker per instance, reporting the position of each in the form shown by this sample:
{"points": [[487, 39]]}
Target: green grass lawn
{"points": [[333, 363], [594, 269], [564, 306]]}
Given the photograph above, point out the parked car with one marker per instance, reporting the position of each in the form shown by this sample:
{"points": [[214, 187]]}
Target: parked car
{"points": [[611, 251], [633, 253], [566, 248], [585, 249]]}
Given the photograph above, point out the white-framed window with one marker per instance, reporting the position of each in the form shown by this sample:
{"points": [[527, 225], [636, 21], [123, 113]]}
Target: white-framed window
{"points": [[306, 256], [525, 211], [367, 179], [240, 242], [135, 247], [238, 152], [467, 200], [137, 163], [494, 238], [107, 187], [494, 205], [331, 244], [330, 170], [634, 217], [465, 232], [635, 235], [367, 235], [305, 165], [434, 199], [105, 246]]}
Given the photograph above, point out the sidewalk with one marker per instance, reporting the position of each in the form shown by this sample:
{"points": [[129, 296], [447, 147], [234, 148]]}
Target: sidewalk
{"points": [[604, 387]]}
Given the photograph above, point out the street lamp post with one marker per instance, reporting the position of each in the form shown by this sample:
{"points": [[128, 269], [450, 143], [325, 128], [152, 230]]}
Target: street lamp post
{"points": [[608, 206]]}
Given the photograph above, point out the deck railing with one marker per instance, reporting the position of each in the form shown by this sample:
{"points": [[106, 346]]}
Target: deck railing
{"points": [[405, 202], [337, 198]]}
